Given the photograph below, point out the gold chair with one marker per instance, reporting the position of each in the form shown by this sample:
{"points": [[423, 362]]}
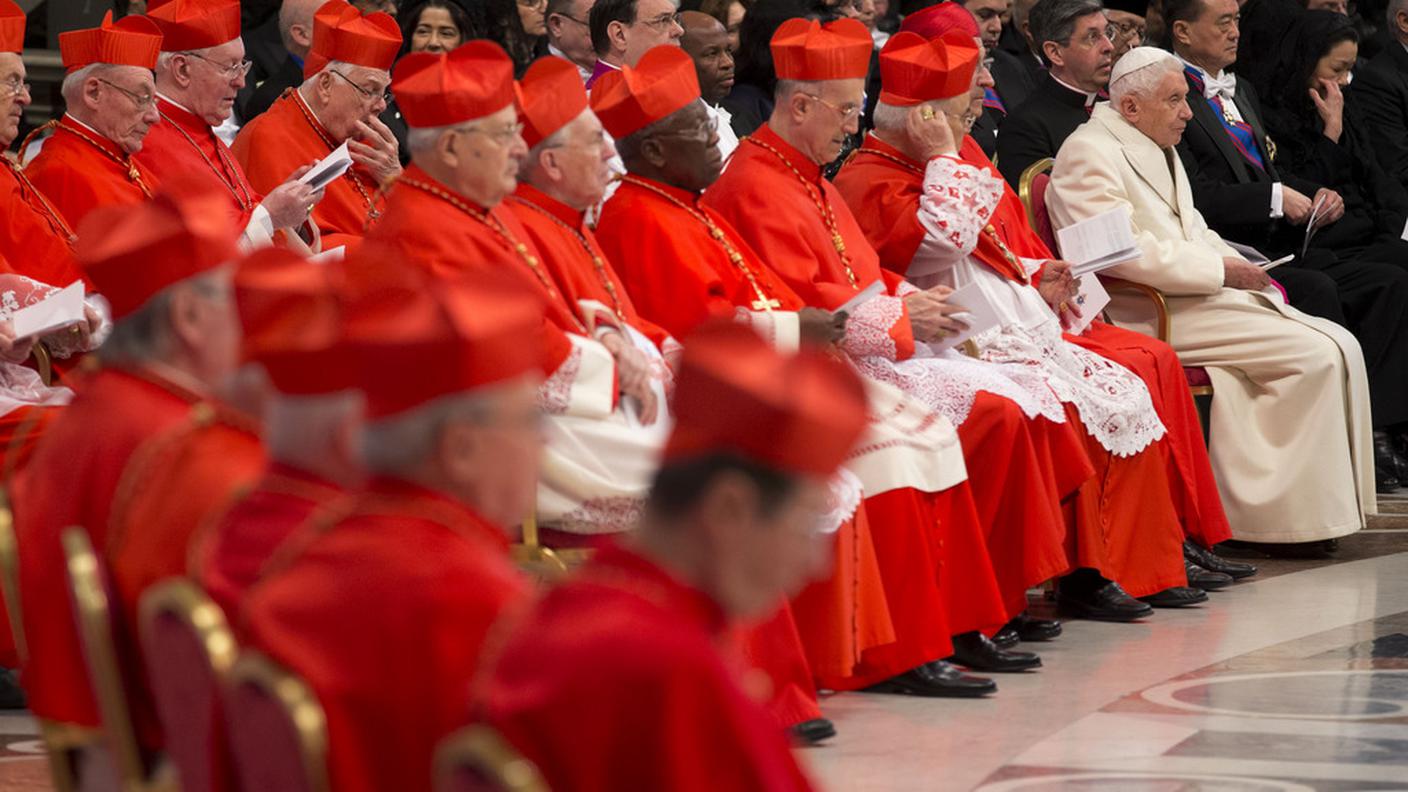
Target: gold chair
{"points": [[93, 613], [478, 759], [10, 574], [189, 651], [43, 363], [538, 560], [278, 731]]}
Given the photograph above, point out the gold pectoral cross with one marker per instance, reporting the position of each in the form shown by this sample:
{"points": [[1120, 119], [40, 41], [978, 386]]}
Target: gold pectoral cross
{"points": [[766, 305]]}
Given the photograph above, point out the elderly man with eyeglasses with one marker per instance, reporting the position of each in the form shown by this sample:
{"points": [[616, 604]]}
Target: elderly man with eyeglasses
{"points": [[198, 73], [624, 30], [570, 34], [111, 103], [346, 77]]}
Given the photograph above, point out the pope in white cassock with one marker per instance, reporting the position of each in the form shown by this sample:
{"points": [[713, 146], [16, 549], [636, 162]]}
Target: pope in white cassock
{"points": [[1290, 435]]}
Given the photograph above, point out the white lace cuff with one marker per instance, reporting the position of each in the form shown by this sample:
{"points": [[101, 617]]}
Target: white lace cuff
{"points": [[957, 202]]}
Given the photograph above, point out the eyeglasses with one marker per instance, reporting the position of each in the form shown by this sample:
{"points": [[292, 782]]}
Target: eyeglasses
{"points": [[662, 21], [369, 97], [533, 3], [502, 136], [703, 131], [143, 102], [846, 113], [15, 88], [229, 71], [582, 22]]}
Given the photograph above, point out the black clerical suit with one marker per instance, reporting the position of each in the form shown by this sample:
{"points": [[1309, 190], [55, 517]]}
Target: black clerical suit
{"points": [[1036, 128], [1013, 83], [1233, 193], [1381, 88]]}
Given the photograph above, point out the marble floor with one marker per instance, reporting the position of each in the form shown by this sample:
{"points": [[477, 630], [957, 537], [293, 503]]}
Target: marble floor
{"points": [[1297, 680]]}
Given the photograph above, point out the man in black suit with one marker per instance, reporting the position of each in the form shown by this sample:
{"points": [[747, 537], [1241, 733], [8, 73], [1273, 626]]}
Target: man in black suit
{"points": [[277, 68], [1074, 39], [1381, 89], [1246, 199], [1012, 80]]}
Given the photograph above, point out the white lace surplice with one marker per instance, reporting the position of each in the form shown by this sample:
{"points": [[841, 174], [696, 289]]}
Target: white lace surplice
{"points": [[20, 385], [1113, 403]]}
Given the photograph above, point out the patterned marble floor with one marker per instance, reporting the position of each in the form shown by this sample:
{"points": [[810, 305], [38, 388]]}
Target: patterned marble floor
{"points": [[1297, 681]]}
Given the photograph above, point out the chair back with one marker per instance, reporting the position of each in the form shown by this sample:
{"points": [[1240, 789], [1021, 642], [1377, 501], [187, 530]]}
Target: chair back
{"points": [[1031, 188], [10, 574], [88, 588], [478, 759], [278, 732], [189, 651]]}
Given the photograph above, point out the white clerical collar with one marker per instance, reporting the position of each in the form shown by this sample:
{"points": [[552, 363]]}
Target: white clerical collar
{"points": [[76, 122], [171, 101], [1090, 96], [586, 73]]}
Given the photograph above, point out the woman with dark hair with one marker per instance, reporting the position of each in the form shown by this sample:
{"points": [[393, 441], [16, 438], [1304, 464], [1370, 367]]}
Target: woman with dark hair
{"points": [[730, 14], [431, 26], [750, 101], [1263, 29], [520, 27]]}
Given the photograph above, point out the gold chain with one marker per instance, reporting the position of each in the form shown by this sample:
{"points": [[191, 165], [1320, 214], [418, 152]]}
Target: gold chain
{"points": [[133, 174], [764, 302], [824, 206], [372, 212], [495, 225], [236, 187], [56, 220], [597, 263]]}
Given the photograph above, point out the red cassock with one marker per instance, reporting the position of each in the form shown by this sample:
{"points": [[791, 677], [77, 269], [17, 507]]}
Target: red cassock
{"points": [[679, 275], [79, 170], [181, 143], [230, 551], [574, 259], [385, 615], [798, 236], [71, 480], [285, 138], [36, 240], [207, 458], [1113, 531], [642, 652]]}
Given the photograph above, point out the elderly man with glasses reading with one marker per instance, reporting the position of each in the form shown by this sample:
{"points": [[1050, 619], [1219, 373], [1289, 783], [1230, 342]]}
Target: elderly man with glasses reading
{"points": [[346, 77], [200, 70]]}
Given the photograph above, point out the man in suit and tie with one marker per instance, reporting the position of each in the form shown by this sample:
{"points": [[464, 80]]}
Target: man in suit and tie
{"points": [[1013, 80], [1381, 89], [1246, 198]]}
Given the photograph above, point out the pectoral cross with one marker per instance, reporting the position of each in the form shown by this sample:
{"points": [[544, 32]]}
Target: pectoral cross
{"points": [[766, 305]]}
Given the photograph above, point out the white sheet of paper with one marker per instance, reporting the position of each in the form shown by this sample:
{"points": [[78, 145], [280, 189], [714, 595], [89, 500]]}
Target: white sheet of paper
{"points": [[1404, 235], [875, 289], [1091, 300], [1097, 242], [980, 315], [331, 166], [59, 310], [1278, 262], [329, 256], [1256, 257]]}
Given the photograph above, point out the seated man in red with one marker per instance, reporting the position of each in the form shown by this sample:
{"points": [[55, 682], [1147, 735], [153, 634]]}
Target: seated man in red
{"points": [[384, 607], [630, 644], [291, 315]]}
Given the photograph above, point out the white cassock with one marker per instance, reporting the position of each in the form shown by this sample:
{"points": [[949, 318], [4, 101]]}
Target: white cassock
{"points": [[1290, 432], [1113, 403]]}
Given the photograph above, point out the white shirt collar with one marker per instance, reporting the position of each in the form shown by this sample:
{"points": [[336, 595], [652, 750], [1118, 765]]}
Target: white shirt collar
{"points": [[1090, 96]]}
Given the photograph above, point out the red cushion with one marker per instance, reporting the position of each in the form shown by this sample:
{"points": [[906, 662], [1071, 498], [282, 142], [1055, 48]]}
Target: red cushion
{"points": [[1040, 212], [1197, 377], [264, 742], [184, 687]]}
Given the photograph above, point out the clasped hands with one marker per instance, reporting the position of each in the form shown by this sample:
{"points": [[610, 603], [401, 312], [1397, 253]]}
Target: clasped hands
{"points": [[1059, 288], [633, 372]]}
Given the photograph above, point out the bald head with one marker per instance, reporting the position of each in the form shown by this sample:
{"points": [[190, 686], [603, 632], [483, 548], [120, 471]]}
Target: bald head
{"points": [[296, 25], [706, 41]]}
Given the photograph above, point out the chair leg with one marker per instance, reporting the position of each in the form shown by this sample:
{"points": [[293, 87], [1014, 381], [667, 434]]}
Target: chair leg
{"points": [[1203, 403]]}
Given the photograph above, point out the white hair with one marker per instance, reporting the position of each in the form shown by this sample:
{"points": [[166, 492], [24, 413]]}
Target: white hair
{"points": [[146, 333], [893, 118], [72, 87], [402, 442], [302, 428], [1143, 80], [341, 66], [785, 88], [421, 139]]}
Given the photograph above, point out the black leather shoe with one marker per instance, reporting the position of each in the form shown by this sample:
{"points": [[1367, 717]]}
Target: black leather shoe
{"points": [[936, 680], [974, 650], [1212, 562], [1301, 551], [1205, 579], [1106, 603], [1387, 472], [1176, 597], [11, 694], [812, 732], [1026, 628], [1006, 638]]}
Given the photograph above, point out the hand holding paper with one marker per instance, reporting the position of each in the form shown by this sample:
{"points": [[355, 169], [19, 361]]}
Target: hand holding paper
{"points": [[329, 168], [63, 308], [1098, 243], [979, 317]]}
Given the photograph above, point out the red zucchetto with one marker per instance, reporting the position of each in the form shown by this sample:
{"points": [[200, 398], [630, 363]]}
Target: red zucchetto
{"points": [[11, 27], [342, 33], [132, 252], [131, 41], [661, 84], [736, 394], [290, 310], [914, 69], [550, 96], [937, 20], [195, 24], [804, 49], [436, 90]]}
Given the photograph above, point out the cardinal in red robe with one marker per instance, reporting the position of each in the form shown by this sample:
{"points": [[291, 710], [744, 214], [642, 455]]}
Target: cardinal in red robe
{"points": [[636, 635], [131, 254], [417, 556]]}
